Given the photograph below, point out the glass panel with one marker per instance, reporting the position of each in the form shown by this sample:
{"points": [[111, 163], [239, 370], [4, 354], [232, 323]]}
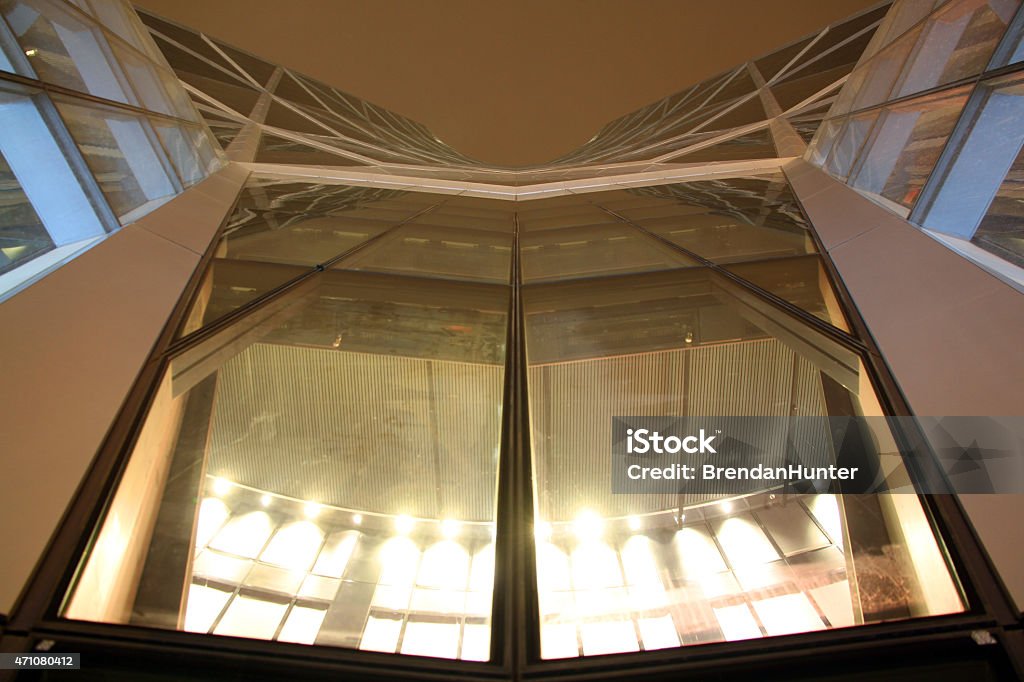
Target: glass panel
{"points": [[22, 234], [266, 499], [957, 42], [739, 85], [794, 91], [434, 251], [117, 16], [224, 130], [801, 280], [64, 49], [724, 221], [845, 56], [755, 145], [281, 116], [750, 111], [274, 149], [806, 124], [269, 240], [188, 148], [37, 167], [883, 70], [824, 139], [288, 88], [771, 65], [1002, 229], [1011, 50], [904, 15], [837, 34], [980, 195], [626, 572], [847, 147], [144, 78], [906, 144], [725, 239], [608, 247], [187, 38], [123, 154], [260, 70]]}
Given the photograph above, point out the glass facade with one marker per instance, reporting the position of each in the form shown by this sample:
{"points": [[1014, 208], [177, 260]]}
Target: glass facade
{"points": [[95, 133], [322, 466], [927, 126], [375, 430]]}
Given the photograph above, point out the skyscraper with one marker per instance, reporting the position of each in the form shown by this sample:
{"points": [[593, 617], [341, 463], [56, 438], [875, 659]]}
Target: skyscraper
{"points": [[318, 395]]}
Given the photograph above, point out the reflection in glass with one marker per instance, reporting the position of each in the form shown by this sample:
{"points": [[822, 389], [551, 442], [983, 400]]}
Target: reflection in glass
{"points": [[846, 149], [323, 475], [438, 252], [189, 149], [65, 48], [279, 230], [905, 145], [800, 280], [620, 573], [956, 42], [22, 234], [123, 154], [980, 195]]}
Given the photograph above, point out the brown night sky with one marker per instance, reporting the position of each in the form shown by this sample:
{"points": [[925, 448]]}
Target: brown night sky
{"points": [[510, 83]]}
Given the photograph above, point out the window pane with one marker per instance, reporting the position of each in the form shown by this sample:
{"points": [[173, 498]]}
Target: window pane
{"points": [[189, 149], [46, 213], [906, 144], [324, 476], [980, 195], [801, 280], [724, 222], [280, 230], [848, 144], [957, 42], [569, 237], [438, 252], [883, 70], [123, 154], [64, 48], [22, 234], [619, 573]]}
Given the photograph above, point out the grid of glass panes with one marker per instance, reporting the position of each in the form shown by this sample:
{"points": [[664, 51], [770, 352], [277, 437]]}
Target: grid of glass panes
{"points": [[879, 137], [323, 469], [85, 166]]}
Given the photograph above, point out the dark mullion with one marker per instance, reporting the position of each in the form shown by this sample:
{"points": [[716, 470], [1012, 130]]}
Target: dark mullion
{"points": [[515, 630]]}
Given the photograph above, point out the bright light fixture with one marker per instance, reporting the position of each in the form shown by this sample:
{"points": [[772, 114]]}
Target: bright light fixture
{"points": [[450, 529], [542, 531], [725, 506], [294, 546], [634, 523], [588, 525], [404, 524], [265, 501], [221, 486], [312, 510], [357, 519]]}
